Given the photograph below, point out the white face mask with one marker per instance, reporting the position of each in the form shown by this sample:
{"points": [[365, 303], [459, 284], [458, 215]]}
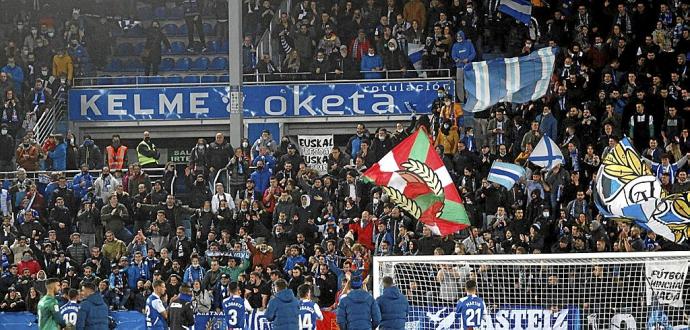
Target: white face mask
{"points": [[470, 10], [245, 144]]}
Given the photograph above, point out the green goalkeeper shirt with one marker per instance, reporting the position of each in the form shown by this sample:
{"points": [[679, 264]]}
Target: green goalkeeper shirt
{"points": [[49, 314]]}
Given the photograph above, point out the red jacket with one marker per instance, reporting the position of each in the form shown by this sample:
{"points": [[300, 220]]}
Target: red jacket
{"points": [[31, 265], [365, 235]]}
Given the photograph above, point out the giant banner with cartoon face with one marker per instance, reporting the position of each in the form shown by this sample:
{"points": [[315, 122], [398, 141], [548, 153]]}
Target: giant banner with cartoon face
{"points": [[626, 189]]}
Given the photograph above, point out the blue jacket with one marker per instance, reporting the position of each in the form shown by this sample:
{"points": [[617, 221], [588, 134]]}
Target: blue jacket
{"points": [[17, 76], [358, 310], [135, 273], [369, 63], [548, 126], [283, 311], [463, 51], [93, 313], [269, 161], [291, 262], [192, 274], [59, 157], [394, 307], [80, 191], [261, 180]]}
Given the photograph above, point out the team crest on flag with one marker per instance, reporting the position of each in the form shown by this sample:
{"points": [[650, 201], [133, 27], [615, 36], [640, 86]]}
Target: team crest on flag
{"points": [[627, 190], [415, 179]]}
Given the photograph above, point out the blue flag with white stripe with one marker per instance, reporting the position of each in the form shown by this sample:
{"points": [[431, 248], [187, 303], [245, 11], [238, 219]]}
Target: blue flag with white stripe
{"points": [[546, 154], [505, 174], [521, 10], [415, 54], [515, 79]]}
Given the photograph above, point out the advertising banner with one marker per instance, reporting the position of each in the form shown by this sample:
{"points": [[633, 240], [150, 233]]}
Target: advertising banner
{"points": [[665, 282], [505, 318], [314, 150], [270, 101]]}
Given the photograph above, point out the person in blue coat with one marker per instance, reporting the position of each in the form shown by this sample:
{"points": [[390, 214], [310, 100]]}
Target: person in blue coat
{"points": [[463, 51], [283, 309], [548, 124], [358, 310], [194, 272], [372, 62], [93, 312], [261, 177], [15, 73], [82, 182], [394, 306], [59, 155]]}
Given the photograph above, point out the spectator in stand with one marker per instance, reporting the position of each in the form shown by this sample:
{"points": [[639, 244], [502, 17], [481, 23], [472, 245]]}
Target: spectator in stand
{"points": [[372, 65], [116, 154], [63, 65], [147, 153], [15, 74], [151, 55], [114, 215], [6, 153], [195, 25], [58, 157], [27, 155], [90, 154]]}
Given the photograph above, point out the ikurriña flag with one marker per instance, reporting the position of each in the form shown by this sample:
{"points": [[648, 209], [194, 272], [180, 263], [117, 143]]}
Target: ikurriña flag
{"points": [[415, 179]]}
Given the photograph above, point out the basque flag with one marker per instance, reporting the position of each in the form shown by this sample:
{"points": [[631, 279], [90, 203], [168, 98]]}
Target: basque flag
{"points": [[505, 174], [521, 10], [515, 79]]}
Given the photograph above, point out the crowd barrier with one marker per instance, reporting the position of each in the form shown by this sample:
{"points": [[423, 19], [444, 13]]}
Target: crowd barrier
{"points": [[131, 320]]}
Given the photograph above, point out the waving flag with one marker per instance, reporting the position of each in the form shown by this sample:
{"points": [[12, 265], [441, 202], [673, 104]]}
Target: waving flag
{"points": [[505, 174], [515, 79], [546, 154], [521, 10], [415, 179], [414, 53]]}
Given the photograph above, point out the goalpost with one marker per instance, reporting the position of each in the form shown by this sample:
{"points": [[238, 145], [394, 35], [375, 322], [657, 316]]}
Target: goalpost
{"points": [[595, 291]]}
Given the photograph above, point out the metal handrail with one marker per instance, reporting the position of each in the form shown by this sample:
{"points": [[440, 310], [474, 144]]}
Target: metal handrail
{"points": [[46, 123], [263, 81]]}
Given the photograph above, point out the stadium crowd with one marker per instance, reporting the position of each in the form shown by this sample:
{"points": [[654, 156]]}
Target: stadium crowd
{"points": [[621, 71]]}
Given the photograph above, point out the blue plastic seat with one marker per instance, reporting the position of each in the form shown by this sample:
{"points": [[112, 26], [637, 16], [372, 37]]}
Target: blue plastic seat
{"points": [[183, 30], [105, 80], [167, 64], [135, 31], [156, 80], [175, 12], [138, 48], [183, 64], [170, 30], [219, 63], [115, 65], [177, 48], [123, 81], [124, 49], [173, 80], [160, 13], [209, 79], [133, 65], [200, 64], [190, 79], [224, 47], [223, 78], [209, 30], [213, 46]]}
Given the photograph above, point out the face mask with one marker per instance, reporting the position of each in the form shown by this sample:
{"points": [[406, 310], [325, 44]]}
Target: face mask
{"points": [[439, 94], [63, 80], [446, 126], [3, 132], [371, 54], [25, 52], [391, 48], [201, 146], [245, 144], [447, 103], [375, 201], [381, 138], [319, 59], [545, 214], [457, 250], [470, 10], [44, 73], [51, 34]]}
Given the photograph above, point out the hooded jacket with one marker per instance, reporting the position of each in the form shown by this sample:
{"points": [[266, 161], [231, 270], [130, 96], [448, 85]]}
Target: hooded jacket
{"points": [[93, 313], [358, 310], [394, 307], [463, 50], [283, 310]]}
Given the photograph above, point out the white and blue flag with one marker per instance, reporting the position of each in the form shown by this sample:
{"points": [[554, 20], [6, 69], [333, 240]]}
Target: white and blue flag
{"points": [[546, 154], [515, 79], [415, 54], [521, 10], [505, 174]]}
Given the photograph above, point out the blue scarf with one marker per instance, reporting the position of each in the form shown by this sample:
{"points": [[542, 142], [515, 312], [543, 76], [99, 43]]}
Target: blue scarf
{"points": [[185, 297]]}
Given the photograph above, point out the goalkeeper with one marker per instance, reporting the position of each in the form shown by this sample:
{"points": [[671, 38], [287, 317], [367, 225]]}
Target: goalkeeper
{"points": [[49, 317], [470, 309]]}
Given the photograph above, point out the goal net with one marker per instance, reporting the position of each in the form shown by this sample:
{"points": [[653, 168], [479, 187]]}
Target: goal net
{"points": [[558, 291]]}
